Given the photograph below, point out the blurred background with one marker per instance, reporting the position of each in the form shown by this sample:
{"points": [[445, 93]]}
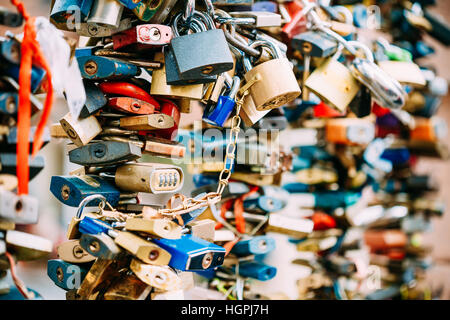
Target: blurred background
{"points": [[55, 217]]}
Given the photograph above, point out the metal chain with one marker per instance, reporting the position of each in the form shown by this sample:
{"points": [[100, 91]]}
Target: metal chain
{"points": [[190, 204]]}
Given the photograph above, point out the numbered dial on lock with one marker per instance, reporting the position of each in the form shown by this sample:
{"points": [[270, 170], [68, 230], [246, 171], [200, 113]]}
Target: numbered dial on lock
{"points": [[149, 177]]}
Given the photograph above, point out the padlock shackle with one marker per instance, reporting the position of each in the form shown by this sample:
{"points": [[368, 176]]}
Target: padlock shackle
{"points": [[348, 16], [276, 52], [88, 199], [235, 87]]}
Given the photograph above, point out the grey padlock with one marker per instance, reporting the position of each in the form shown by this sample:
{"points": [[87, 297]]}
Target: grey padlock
{"points": [[105, 13]]}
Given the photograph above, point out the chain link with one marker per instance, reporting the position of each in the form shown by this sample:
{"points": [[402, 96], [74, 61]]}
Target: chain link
{"points": [[190, 204]]}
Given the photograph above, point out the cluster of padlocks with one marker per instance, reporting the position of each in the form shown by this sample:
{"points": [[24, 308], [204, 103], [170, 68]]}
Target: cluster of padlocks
{"points": [[17, 209], [309, 139]]}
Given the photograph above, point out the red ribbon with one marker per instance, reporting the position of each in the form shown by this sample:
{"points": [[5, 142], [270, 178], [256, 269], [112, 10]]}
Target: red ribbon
{"points": [[30, 53]]}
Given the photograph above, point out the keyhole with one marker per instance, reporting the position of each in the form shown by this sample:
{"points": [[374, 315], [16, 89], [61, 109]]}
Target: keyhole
{"points": [[153, 255], [135, 106], [160, 278], [19, 206], [78, 252], [90, 67], [59, 274], [161, 120], [207, 69], [207, 260], [99, 151], [92, 29], [94, 246], [65, 192], [10, 105], [263, 245]]}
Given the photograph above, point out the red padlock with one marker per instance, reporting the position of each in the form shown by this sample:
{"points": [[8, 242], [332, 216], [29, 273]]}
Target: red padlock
{"points": [[130, 105], [144, 36], [128, 90]]}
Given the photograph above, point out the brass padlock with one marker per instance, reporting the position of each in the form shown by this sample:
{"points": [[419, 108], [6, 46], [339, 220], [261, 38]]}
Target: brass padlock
{"points": [[160, 87], [144, 250], [333, 83], [157, 227], [147, 122], [71, 251], [127, 287], [160, 277], [80, 131], [249, 114], [277, 84]]}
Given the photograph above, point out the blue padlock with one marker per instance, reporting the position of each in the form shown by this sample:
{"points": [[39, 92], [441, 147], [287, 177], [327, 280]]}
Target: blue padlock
{"points": [[63, 9], [9, 102], [14, 294], [10, 50], [93, 226], [96, 67], [190, 253], [256, 270], [66, 275], [254, 246], [12, 70], [263, 204], [216, 115], [71, 190], [86, 51], [300, 163], [335, 199], [95, 99]]}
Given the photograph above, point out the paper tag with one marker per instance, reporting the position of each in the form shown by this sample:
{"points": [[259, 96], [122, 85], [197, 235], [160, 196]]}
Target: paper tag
{"points": [[66, 76]]}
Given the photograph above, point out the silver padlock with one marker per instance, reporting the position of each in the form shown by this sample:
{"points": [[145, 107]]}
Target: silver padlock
{"points": [[105, 13], [21, 209]]}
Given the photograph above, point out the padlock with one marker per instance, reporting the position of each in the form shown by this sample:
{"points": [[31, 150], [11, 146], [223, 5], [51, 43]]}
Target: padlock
{"points": [[315, 44], [105, 13], [170, 109], [142, 37], [11, 71], [127, 287], [349, 131], [254, 246], [105, 153], [62, 9], [21, 209], [127, 89], [203, 229], [71, 190], [262, 204], [9, 102], [146, 251], [130, 105], [257, 19], [160, 277], [264, 93], [256, 270], [404, 72], [7, 225], [80, 131], [173, 76], [272, 123], [161, 88], [99, 245], [192, 253], [95, 99], [99, 277], [217, 114], [385, 239], [86, 29], [12, 137], [249, 114], [72, 230], [149, 177], [10, 19], [190, 64], [27, 246], [164, 148], [298, 228], [333, 83], [157, 227], [97, 68], [66, 275], [71, 251]]}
